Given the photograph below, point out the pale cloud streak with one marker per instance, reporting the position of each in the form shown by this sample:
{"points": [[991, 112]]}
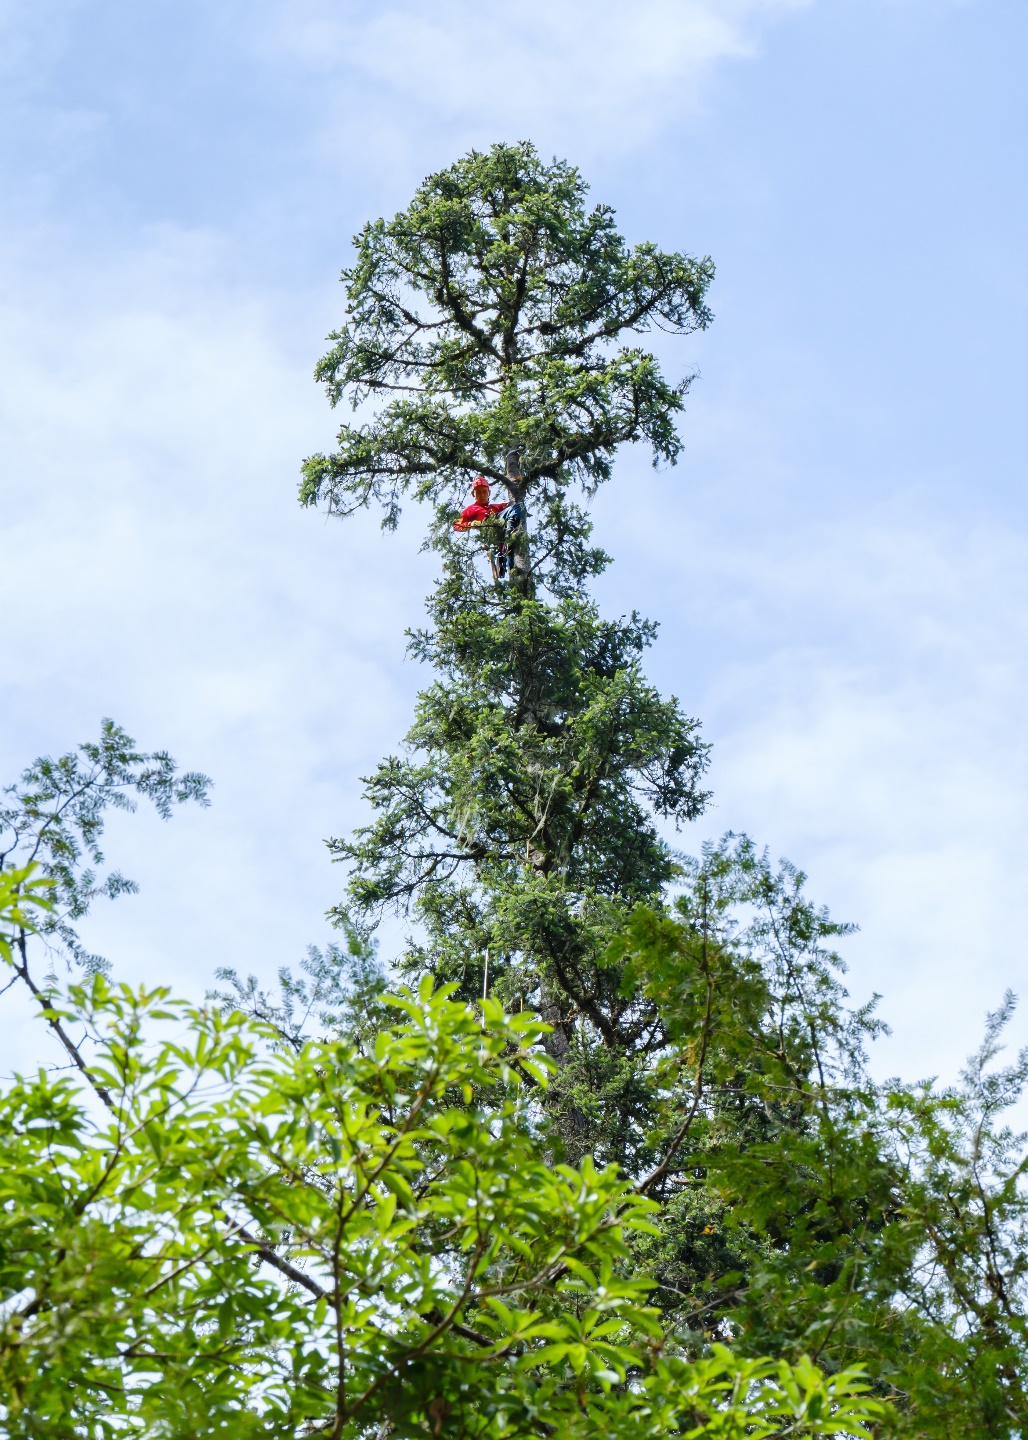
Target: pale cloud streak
{"points": [[601, 71]]}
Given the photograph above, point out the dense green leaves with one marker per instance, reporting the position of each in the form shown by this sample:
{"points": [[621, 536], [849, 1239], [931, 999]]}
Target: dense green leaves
{"points": [[965, 1201], [251, 1239], [806, 1209]]}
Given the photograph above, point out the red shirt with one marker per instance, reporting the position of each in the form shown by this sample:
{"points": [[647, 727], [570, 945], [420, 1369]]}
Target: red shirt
{"points": [[476, 513]]}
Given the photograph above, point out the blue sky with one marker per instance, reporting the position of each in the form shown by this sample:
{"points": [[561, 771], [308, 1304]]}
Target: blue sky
{"points": [[841, 588]]}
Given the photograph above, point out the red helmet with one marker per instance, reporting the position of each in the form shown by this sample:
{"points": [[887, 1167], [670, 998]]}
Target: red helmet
{"points": [[480, 484]]}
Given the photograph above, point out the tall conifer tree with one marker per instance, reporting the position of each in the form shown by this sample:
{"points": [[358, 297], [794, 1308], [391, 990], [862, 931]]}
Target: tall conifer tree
{"points": [[518, 826]]}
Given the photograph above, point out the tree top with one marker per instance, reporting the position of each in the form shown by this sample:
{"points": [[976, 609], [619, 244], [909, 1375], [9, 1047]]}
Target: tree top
{"points": [[497, 312]]}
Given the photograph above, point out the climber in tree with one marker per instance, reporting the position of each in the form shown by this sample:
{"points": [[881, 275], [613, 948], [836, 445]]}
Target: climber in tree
{"points": [[480, 511]]}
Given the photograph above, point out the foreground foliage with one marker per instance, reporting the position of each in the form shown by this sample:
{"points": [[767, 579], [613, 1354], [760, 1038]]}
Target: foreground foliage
{"points": [[249, 1239], [341, 1203]]}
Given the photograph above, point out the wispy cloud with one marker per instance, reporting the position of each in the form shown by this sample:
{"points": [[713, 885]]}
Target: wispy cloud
{"points": [[606, 71]]}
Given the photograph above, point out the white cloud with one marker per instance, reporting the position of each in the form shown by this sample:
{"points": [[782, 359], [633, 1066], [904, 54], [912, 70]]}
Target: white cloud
{"points": [[608, 71]]}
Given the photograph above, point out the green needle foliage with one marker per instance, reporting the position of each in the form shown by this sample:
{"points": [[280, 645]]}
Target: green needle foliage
{"points": [[491, 314], [520, 824]]}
